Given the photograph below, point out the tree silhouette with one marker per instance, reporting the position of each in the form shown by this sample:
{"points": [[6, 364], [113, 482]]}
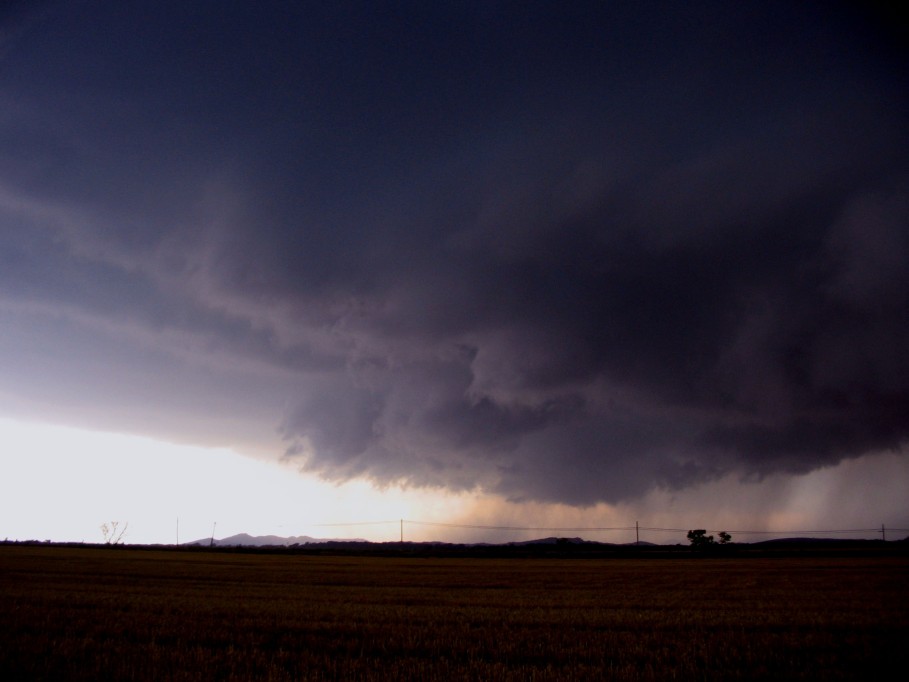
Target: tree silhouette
{"points": [[699, 538], [112, 532]]}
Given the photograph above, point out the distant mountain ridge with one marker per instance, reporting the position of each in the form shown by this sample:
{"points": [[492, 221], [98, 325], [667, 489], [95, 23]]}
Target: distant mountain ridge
{"points": [[247, 540]]}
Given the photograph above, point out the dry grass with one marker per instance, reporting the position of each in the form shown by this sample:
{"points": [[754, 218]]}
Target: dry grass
{"points": [[126, 614]]}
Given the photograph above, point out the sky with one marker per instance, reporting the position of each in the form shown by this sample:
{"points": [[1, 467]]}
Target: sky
{"points": [[270, 266]]}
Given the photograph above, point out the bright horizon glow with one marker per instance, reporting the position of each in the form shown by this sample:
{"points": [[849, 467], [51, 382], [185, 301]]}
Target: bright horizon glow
{"points": [[63, 483]]}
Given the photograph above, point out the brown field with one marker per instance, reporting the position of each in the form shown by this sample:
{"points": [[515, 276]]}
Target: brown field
{"points": [[70, 614]]}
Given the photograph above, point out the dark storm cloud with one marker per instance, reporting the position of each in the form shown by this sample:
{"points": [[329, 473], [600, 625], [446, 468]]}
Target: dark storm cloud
{"points": [[566, 253]]}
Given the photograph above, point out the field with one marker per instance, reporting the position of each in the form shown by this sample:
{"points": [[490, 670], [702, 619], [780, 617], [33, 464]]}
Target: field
{"points": [[71, 613]]}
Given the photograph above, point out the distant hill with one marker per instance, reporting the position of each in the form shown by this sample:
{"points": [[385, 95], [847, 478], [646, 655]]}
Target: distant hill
{"points": [[556, 541], [246, 540], [810, 541], [578, 541]]}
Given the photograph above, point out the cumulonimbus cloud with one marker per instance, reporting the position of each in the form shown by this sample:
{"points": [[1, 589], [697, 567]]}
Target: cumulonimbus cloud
{"points": [[572, 257]]}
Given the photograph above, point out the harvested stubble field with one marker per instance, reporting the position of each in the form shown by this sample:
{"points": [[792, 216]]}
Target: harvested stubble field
{"points": [[71, 613]]}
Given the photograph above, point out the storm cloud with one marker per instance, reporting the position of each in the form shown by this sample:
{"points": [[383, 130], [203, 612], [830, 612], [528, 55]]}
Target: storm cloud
{"points": [[563, 252]]}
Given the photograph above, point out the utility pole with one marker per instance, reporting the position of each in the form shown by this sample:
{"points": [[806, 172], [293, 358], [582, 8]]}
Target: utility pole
{"points": [[883, 533], [402, 531], [212, 542], [637, 534]]}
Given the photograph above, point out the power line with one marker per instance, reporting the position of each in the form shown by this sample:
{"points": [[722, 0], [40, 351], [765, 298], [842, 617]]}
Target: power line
{"points": [[534, 528], [777, 532], [603, 529], [358, 523]]}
